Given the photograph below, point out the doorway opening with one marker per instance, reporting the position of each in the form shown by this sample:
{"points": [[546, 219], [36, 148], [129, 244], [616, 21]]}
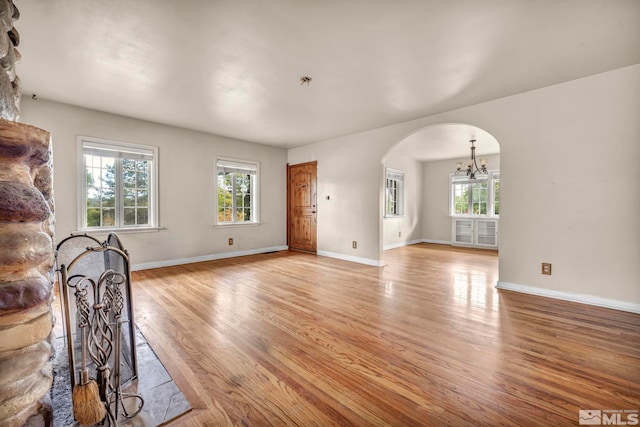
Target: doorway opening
{"points": [[426, 162]]}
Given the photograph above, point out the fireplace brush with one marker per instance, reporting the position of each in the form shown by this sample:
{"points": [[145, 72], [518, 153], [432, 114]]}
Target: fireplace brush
{"points": [[87, 406]]}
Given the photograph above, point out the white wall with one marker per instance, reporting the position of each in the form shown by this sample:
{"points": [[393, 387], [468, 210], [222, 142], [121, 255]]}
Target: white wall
{"points": [[186, 183], [349, 171], [399, 231], [436, 222], [565, 152]]}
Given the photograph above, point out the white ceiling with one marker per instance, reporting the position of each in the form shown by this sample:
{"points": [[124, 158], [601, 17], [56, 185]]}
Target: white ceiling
{"points": [[447, 141], [233, 67]]}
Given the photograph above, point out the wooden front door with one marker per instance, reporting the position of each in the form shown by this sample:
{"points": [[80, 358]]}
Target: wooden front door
{"points": [[301, 206]]}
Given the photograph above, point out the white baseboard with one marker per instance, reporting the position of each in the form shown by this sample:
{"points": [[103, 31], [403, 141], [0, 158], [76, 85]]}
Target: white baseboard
{"points": [[570, 296], [437, 242], [401, 244], [168, 263], [359, 260]]}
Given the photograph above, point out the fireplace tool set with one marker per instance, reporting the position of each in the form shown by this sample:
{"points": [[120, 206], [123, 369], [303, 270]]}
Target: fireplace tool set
{"points": [[96, 294]]}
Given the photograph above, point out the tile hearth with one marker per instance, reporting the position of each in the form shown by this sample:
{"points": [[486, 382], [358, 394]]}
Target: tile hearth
{"points": [[163, 401]]}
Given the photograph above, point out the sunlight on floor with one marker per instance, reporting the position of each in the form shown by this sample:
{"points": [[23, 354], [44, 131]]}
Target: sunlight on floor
{"points": [[474, 289]]}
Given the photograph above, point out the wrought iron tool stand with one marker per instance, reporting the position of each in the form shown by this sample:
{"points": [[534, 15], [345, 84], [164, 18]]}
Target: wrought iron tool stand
{"points": [[98, 305]]}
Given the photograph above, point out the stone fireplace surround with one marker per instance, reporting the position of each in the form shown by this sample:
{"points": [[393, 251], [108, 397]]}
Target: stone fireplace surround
{"points": [[26, 274]]}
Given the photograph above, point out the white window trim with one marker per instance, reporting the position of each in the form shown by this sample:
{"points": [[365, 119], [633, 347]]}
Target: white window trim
{"points": [[82, 179], [256, 193], [400, 174], [491, 176]]}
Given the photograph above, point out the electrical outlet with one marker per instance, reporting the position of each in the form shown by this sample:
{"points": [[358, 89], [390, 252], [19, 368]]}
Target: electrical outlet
{"points": [[546, 268], [230, 241], [354, 245]]}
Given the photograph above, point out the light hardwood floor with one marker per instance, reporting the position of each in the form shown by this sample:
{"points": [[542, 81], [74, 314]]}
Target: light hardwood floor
{"points": [[293, 339]]}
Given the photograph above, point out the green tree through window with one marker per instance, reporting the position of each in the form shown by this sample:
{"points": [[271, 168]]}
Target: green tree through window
{"points": [[236, 199], [119, 181], [101, 191], [496, 196], [476, 197]]}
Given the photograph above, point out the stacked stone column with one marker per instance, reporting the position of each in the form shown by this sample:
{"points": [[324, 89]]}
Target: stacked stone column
{"points": [[26, 273]]}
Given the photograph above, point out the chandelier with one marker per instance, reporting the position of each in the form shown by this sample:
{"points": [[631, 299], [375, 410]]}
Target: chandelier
{"points": [[471, 165]]}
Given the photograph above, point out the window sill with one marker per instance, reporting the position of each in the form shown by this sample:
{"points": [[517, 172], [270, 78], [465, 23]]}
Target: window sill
{"points": [[119, 230], [393, 216], [237, 224], [474, 217]]}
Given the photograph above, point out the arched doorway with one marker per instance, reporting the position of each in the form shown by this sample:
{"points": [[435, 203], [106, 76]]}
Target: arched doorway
{"points": [[416, 192]]}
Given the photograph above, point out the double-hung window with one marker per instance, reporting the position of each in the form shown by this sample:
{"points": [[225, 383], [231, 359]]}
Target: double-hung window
{"points": [[118, 185], [394, 198], [237, 191], [475, 197]]}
